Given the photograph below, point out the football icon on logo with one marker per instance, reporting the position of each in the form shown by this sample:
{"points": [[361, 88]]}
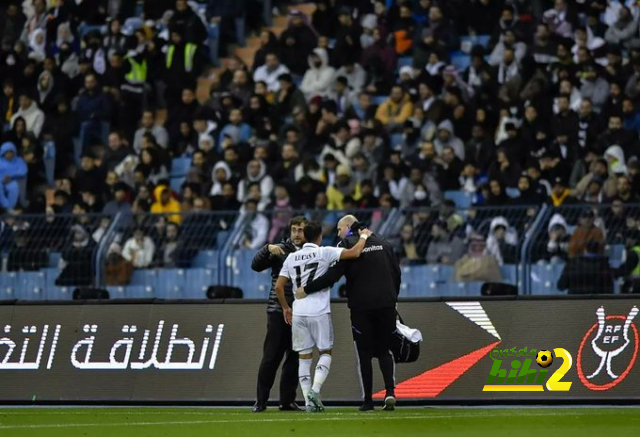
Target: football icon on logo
{"points": [[544, 358]]}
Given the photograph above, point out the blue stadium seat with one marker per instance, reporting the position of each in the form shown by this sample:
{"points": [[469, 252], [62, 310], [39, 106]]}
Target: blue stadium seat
{"points": [[176, 184], [132, 24], [7, 286], [396, 141], [60, 293], [462, 199], [198, 280], [460, 60], [171, 284], [509, 273], [50, 276], [481, 40], [616, 253], [144, 277], [137, 292], [404, 61], [117, 292], [214, 42], [221, 238], [544, 278], [54, 259], [207, 259], [254, 285], [180, 166], [30, 286]]}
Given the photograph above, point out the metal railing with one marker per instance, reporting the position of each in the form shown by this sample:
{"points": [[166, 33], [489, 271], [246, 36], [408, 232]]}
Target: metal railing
{"points": [[531, 247]]}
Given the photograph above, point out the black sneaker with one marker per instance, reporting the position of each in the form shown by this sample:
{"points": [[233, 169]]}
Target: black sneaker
{"points": [[367, 406], [290, 407], [259, 408], [389, 403]]}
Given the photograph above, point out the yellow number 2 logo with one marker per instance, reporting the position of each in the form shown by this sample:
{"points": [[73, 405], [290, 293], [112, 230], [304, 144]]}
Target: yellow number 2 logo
{"points": [[554, 384]]}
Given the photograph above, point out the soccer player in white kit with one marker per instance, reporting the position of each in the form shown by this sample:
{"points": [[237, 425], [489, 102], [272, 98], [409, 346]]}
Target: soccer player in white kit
{"points": [[311, 317]]}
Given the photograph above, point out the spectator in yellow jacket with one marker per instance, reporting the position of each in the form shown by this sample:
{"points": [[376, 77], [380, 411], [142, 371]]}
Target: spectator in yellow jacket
{"points": [[166, 204], [344, 186], [394, 111]]}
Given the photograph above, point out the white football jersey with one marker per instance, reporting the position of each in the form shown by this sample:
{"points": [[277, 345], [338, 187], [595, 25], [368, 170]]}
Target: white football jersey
{"points": [[304, 266]]}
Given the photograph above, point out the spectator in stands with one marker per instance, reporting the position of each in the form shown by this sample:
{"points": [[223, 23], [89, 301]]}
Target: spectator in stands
{"points": [[561, 194], [407, 250], [446, 137], [149, 126], [344, 186], [348, 33], [625, 28], [13, 169], [184, 63], [165, 254], [28, 110], [588, 273], [439, 34], [297, 42], [270, 72], [236, 128], [166, 204], [77, 259], [318, 80], [268, 44], [558, 245], [139, 249], [394, 111], [256, 228], [502, 242], [282, 212], [220, 174], [584, 232], [444, 248], [476, 265], [624, 192], [119, 203], [117, 151], [256, 172]]}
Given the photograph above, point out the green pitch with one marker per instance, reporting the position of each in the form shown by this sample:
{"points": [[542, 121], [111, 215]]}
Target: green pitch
{"points": [[405, 422]]}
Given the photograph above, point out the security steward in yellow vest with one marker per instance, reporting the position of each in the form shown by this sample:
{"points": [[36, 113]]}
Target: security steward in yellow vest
{"points": [[182, 65], [630, 269], [133, 90]]}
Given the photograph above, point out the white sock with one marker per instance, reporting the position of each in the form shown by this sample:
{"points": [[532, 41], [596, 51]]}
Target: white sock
{"points": [[304, 376], [322, 371]]}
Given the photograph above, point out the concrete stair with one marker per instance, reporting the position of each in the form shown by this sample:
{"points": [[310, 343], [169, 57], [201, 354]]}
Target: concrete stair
{"points": [[247, 53]]}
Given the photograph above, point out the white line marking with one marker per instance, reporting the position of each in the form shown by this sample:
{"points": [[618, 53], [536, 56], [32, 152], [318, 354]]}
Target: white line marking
{"points": [[355, 416]]}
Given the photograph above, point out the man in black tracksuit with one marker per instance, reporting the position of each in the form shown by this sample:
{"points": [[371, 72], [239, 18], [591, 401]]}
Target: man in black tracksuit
{"points": [[277, 342], [373, 285]]}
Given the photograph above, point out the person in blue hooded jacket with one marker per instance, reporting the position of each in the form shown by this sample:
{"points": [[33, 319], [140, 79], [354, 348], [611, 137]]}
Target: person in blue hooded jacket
{"points": [[12, 168]]}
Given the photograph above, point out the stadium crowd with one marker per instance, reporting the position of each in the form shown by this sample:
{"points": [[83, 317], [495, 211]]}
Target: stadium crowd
{"points": [[365, 104]]}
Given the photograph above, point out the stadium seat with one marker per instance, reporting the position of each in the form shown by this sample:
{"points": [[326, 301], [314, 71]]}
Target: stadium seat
{"points": [[616, 253], [170, 284], [221, 238], [176, 184], [396, 141], [132, 24], [54, 259], [214, 42], [49, 159], [30, 285], [254, 285], [404, 61], [116, 292], [180, 166], [137, 292], [462, 199], [509, 274], [144, 277], [460, 60], [60, 293], [198, 280], [206, 258], [7, 286], [544, 278]]}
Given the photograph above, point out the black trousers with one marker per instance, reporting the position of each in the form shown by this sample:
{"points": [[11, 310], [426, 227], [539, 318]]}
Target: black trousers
{"points": [[277, 344], [372, 332]]}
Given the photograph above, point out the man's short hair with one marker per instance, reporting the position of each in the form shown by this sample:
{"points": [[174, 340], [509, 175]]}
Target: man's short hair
{"points": [[312, 231], [298, 220]]}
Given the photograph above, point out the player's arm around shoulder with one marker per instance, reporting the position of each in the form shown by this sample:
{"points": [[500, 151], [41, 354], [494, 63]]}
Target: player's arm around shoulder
{"points": [[356, 250], [282, 280]]}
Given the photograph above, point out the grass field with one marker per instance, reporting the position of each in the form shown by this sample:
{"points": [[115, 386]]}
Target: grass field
{"points": [[405, 422]]}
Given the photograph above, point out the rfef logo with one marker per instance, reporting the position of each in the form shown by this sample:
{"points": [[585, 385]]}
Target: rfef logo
{"points": [[608, 351]]}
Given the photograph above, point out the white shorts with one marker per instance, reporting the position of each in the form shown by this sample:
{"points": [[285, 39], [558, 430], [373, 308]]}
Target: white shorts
{"points": [[310, 331]]}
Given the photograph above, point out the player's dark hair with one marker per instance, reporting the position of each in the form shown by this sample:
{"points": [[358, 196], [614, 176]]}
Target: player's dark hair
{"points": [[312, 230], [298, 220]]}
